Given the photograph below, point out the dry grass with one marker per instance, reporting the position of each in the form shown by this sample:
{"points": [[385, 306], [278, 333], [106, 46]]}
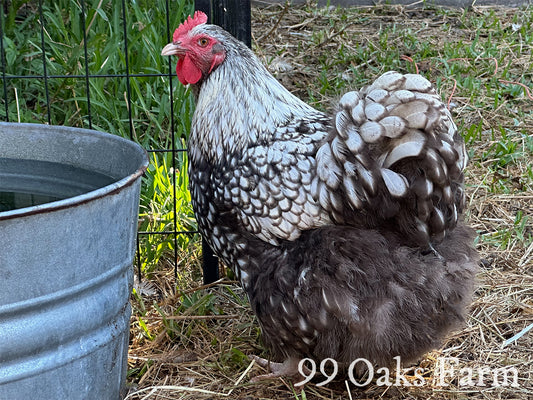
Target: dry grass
{"points": [[193, 345]]}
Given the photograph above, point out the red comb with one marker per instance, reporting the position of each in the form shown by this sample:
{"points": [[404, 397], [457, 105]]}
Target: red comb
{"points": [[199, 18]]}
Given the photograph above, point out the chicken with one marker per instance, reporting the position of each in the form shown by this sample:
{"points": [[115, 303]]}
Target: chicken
{"points": [[345, 230]]}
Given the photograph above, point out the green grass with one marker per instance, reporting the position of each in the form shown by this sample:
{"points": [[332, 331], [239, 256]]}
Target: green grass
{"points": [[159, 213], [68, 101], [64, 50]]}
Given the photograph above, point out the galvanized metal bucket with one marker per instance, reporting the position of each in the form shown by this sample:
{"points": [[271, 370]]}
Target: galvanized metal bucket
{"points": [[66, 270]]}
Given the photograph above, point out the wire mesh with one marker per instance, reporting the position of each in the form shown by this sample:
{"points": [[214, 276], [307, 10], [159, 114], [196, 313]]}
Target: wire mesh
{"points": [[45, 107]]}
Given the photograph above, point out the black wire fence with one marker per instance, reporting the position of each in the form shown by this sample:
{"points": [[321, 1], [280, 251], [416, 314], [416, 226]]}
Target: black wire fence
{"points": [[41, 71]]}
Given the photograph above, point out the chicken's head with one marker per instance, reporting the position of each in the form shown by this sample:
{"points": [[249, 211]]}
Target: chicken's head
{"points": [[198, 52]]}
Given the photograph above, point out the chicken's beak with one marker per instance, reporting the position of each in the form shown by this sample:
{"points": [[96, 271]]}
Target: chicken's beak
{"points": [[173, 49]]}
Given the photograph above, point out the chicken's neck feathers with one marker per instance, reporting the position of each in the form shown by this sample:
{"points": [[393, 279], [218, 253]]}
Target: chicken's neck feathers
{"points": [[239, 104]]}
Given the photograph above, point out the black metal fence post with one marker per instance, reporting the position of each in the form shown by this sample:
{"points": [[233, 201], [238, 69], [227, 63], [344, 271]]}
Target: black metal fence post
{"points": [[235, 17], [232, 15]]}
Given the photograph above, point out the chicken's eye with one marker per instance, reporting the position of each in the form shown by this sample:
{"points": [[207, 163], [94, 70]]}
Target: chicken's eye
{"points": [[202, 42]]}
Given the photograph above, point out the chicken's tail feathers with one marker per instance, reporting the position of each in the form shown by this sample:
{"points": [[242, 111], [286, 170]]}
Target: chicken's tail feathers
{"points": [[398, 157]]}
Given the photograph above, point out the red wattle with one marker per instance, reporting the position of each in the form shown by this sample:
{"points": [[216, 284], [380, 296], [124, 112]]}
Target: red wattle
{"points": [[187, 72]]}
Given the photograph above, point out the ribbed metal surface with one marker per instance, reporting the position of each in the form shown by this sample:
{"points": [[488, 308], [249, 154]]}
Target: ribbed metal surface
{"points": [[66, 270]]}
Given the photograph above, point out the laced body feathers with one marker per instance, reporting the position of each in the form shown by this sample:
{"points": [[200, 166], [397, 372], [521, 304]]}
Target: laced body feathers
{"points": [[344, 229]]}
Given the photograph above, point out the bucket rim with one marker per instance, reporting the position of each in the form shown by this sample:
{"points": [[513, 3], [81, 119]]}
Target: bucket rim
{"points": [[83, 198]]}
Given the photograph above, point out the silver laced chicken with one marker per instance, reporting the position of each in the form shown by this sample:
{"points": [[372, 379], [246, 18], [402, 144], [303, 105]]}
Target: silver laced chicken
{"points": [[344, 229]]}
